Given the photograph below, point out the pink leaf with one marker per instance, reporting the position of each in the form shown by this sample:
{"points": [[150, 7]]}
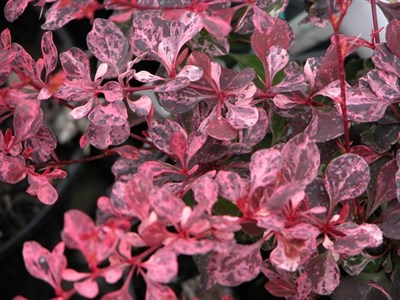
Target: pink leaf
{"points": [[166, 205], [162, 266], [385, 85], [172, 85], [215, 25], [81, 111], [230, 185], [195, 141], [87, 288], [264, 166], [25, 66], [59, 14], [121, 294], [136, 195], [41, 187], [178, 144], [385, 60], [220, 129], [80, 233], [141, 107], [76, 65], [145, 76], [364, 106], [277, 58], [205, 192], [28, 118], [127, 151], [281, 196], [72, 275], [108, 43], [356, 238], [301, 158], [43, 264], [323, 273], [180, 101], [253, 135], [193, 73], [43, 143], [193, 246], [12, 168], [15, 8], [279, 34], [240, 117], [49, 51], [156, 291], [240, 265], [74, 91], [295, 246], [102, 136], [113, 114], [161, 132], [285, 102], [346, 177], [112, 91]]}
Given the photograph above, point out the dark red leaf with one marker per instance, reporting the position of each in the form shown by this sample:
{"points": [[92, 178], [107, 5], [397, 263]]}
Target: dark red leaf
{"points": [[323, 273]]}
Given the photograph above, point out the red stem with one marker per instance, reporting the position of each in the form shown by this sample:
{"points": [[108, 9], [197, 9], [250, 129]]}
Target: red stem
{"points": [[375, 36], [75, 161], [342, 77]]}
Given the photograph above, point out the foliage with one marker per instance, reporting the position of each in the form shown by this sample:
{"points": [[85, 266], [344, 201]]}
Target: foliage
{"points": [[291, 154]]}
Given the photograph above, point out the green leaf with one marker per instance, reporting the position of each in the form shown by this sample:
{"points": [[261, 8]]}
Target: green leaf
{"points": [[225, 207], [278, 129]]}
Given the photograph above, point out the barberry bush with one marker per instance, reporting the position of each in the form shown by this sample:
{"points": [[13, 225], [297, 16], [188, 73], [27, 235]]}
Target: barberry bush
{"points": [[300, 158]]}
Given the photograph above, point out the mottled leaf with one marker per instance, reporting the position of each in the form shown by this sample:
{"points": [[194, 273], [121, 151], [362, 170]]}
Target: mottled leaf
{"points": [[43, 264], [49, 51], [264, 166], [76, 65], [241, 265], [142, 106], [230, 185], [12, 168], [15, 8], [323, 273], [324, 126], [161, 132], [385, 60], [242, 116], [346, 177], [162, 266], [301, 158], [28, 118], [43, 144], [356, 238], [166, 205]]}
